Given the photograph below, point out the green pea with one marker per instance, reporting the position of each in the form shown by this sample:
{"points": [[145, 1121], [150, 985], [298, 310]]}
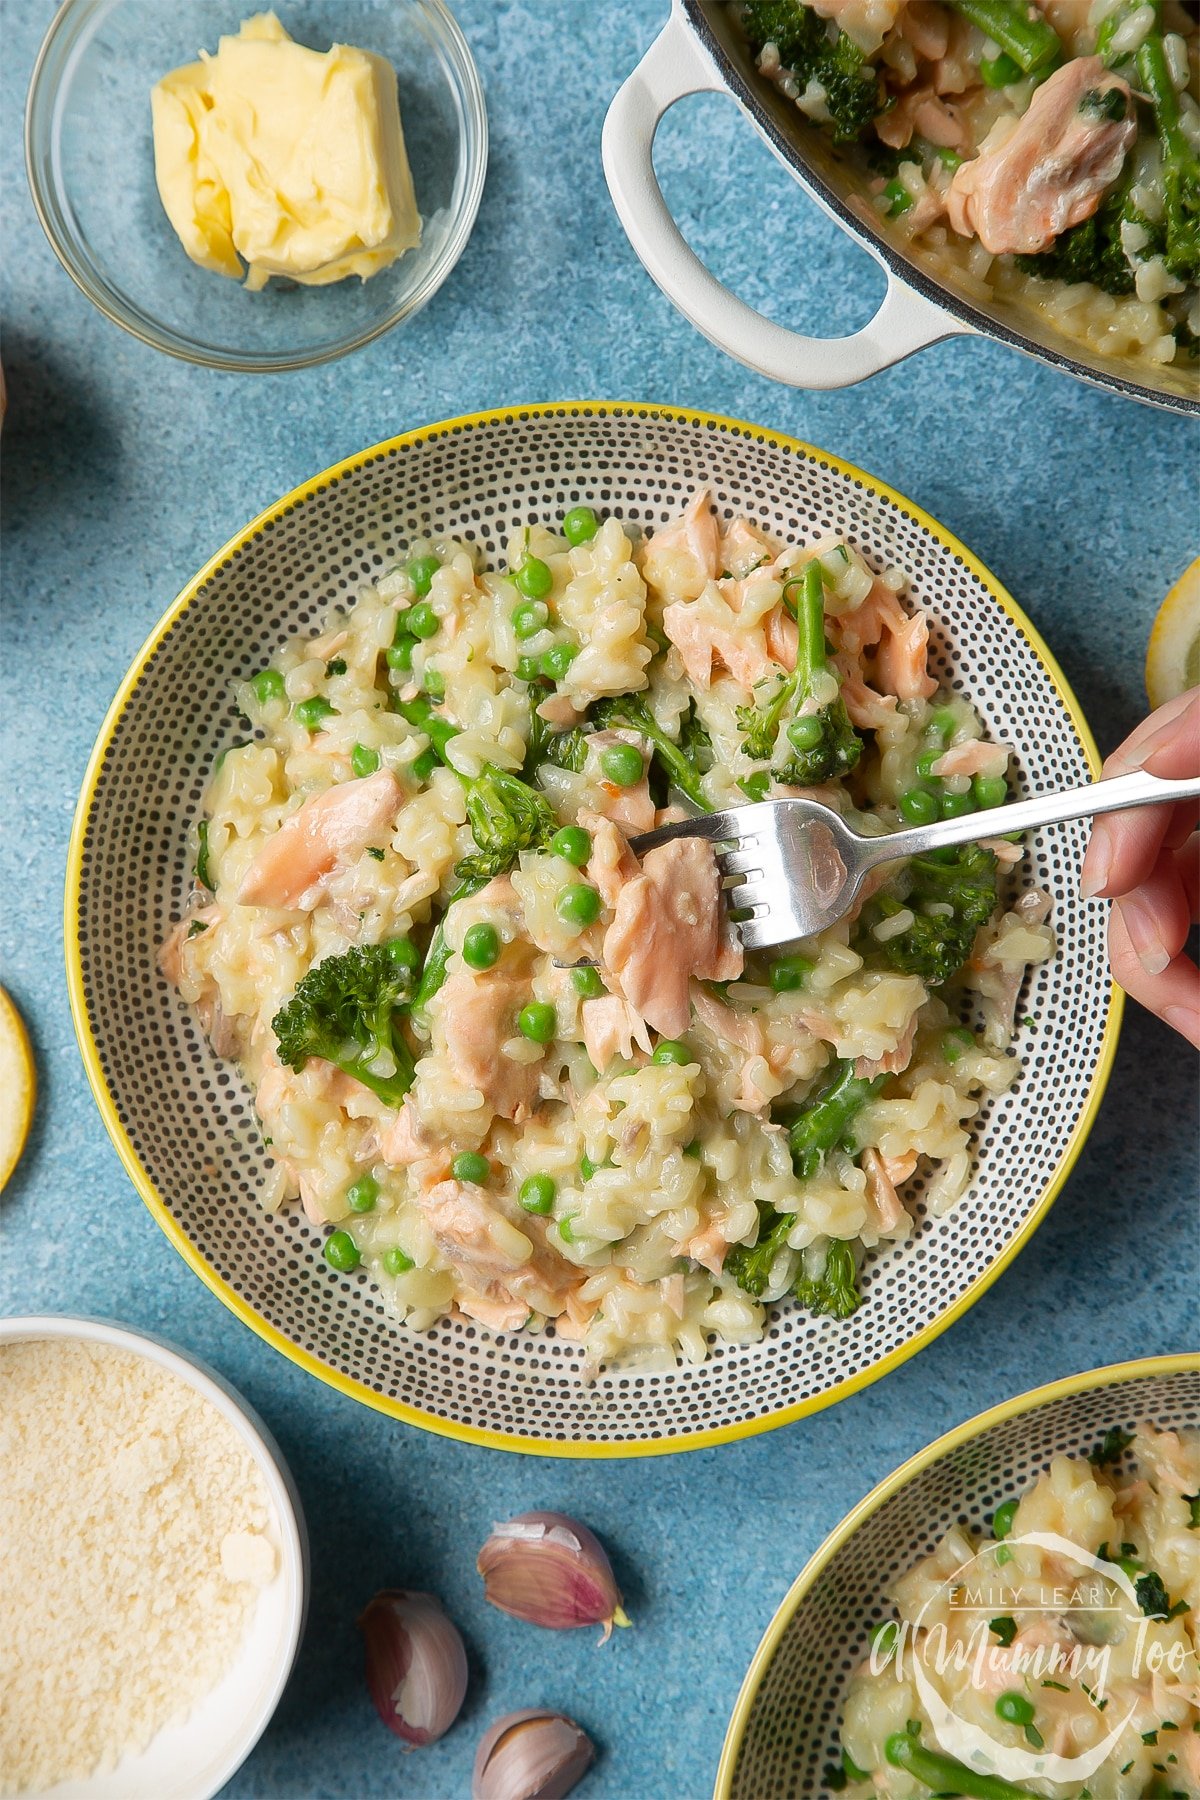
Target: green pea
{"points": [[1002, 1519], [790, 972], [949, 159], [695, 1150], [1015, 1709], [470, 1166], [587, 1168], [434, 683], [884, 1638], [268, 686], [537, 1193], [481, 946], [588, 982], [989, 791], [362, 1194], [404, 954], [670, 1050], [555, 662], [999, 71], [943, 723], [529, 668], [310, 713], [578, 904], [566, 1230], [530, 618], [421, 572], [954, 1044], [755, 786], [918, 806], [580, 525], [573, 844], [396, 1262], [925, 763], [533, 578], [956, 806], [898, 198], [538, 1022], [364, 760], [623, 764], [806, 733], [424, 765], [341, 1252], [399, 655], [423, 622]]}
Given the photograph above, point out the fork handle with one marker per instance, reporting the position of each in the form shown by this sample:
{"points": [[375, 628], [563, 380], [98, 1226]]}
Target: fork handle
{"points": [[1114, 795]]}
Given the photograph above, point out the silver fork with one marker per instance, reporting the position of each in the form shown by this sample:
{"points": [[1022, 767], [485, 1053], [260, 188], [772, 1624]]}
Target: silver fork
{"points": [[797, 867]]}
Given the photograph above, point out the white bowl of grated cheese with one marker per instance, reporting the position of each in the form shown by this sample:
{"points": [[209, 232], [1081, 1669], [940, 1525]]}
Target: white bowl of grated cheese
{"points": [[149, 1627]]}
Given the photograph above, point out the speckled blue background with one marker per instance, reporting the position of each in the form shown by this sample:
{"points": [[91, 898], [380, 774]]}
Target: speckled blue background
{"points": [[123, 471]]}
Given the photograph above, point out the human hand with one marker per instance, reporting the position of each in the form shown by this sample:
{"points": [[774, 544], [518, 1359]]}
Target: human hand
{"points": [[1148, 863]]}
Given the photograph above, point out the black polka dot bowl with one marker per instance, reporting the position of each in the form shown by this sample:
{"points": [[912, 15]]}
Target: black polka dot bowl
{"points": [[784, 1735], [183, 1121]]}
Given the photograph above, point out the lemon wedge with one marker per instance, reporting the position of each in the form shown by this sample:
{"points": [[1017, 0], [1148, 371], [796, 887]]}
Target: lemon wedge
{"points": [[18, 1087], [1173, 653]]}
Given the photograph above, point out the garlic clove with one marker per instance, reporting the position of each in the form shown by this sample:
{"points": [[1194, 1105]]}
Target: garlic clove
{"points": [[550, 1570], [530, 1755], [416, 1665]]}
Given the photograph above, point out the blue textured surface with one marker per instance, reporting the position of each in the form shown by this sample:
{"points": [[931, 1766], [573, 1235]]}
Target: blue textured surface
{"points": [[123, 471]]}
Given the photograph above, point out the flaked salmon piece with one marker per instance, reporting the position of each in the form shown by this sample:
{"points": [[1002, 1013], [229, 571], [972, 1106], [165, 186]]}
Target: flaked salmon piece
{"points": [[1053, 167], [496, 1314], [473, 1236], [703, 642], [405, 1140], [742, 549], [682, 558], [899, 639], [781, 636], [612, 863], [886, 1207], [630, 807], [923, 112], [927, 28], [975, 757], [707, 1248], [611, 1027], [1071, 19], [667, 928], [674, 1293], [326, 830], [868, 710], [895, 1062], [476, 1014], [576, 1316], [725, 1022], [559, 709]]}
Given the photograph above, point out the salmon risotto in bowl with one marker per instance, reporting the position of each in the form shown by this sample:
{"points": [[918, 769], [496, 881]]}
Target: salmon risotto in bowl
{"points": [[1011, 1614], [518, 1071], [465, 1102]]}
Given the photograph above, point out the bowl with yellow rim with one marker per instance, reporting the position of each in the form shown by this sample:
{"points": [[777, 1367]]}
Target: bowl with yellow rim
{"points": [[183, 1121], [784, 1734]]}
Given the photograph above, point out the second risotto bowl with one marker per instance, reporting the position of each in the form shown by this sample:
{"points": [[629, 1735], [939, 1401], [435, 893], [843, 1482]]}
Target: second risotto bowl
{"points": [[183, 1121]]}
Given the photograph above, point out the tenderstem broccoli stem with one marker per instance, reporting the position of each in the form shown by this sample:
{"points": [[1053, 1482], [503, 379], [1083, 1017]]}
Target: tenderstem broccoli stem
{"points": [[1031, 42], [1154, 78], [945, 1774], [810, 619], [437, 957]]}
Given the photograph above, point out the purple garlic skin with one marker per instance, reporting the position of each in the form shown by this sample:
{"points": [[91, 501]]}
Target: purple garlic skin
{"points": [[551, 1571], [416, 1665], [530, 1755]]}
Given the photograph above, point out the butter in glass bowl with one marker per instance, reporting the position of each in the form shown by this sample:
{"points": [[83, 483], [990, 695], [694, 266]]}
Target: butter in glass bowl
{"points": [[274, 159]]}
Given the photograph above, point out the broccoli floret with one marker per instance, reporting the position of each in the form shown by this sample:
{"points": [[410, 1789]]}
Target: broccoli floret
{"points": [[824, 1119], [833, 1291], [816, 51], [1181, 163], [751, 1264], [822, 744], [566, 749], [506, 814], [349, 1011], [1093, 251], [937, 943], [681, 769]]}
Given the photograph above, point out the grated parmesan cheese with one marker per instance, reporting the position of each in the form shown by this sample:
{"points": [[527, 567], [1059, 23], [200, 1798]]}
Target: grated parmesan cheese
{"points": [[133, 1547]]}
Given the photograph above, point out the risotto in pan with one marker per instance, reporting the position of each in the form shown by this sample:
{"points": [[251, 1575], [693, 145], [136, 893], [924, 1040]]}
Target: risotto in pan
{"points": [[514, 1069]]}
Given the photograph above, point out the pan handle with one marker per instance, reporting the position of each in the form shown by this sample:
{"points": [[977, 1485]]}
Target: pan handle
{"points": [[676, 64]]}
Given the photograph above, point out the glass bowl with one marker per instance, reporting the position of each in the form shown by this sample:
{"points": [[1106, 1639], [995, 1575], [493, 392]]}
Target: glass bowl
{"points": [[90, 157]]}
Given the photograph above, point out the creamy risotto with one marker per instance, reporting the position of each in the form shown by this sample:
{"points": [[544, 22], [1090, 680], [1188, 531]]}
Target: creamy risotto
{"points": [[518, 1071], [1045, 152], [1065, 1637]]}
